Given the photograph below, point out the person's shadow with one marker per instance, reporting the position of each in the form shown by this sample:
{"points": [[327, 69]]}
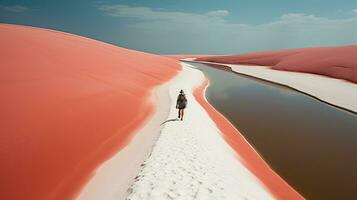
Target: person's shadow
{"points": [[169, 120]]}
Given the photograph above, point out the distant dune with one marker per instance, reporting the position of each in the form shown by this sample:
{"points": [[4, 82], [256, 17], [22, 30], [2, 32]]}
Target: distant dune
{"points": [[185, 56], [67, 104], [336, 62]]}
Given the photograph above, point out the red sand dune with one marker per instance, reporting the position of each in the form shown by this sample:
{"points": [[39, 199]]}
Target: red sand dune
{"points": [[251, 159], [336, 62], [67, 104]]}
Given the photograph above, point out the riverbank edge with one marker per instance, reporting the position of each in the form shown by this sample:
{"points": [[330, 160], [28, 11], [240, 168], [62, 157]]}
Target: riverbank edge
{"points": [[329, 99], [245, 152]]}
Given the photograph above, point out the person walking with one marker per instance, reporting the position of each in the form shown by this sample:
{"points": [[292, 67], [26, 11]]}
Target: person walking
{"points": [[181, 104]]}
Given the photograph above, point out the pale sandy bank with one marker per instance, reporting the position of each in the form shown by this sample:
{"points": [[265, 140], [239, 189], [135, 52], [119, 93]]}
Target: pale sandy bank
{"points": [[337, 92]]}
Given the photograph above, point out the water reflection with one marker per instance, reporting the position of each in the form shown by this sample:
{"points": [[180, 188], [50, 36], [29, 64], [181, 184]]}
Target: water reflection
{"points": [[310, 144]]}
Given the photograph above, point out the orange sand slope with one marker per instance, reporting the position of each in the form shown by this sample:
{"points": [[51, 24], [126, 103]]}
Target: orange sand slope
{"points": [[336, 62], [67, 104]]}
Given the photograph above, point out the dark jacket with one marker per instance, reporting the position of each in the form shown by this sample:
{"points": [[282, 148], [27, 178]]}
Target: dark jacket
{"points": [[181, 101]]}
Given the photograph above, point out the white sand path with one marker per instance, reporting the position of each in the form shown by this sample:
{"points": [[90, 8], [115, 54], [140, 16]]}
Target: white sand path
{"points": [[191, 160]]}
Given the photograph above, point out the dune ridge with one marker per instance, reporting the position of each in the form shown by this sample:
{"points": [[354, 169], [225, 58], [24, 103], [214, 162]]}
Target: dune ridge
{"points": [[64, 102]]}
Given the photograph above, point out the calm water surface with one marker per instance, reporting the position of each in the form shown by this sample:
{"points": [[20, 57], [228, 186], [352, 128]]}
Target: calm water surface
{"points": [[312, 145]]}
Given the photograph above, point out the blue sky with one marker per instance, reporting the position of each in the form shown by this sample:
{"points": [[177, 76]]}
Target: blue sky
{"points": [[195, 26]]}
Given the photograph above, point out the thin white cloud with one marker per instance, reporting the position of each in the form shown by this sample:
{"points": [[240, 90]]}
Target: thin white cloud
{"points": [[146, 13], [218, 13], [164, 31], [299, 18], [14, 8]]}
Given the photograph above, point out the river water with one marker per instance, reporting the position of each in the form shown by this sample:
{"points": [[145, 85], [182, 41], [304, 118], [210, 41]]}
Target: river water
{"points": [[312, 145]]}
